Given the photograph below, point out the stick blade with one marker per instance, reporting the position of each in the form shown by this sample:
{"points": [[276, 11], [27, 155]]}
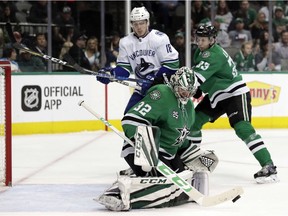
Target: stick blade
{"points": [[223, 197]]}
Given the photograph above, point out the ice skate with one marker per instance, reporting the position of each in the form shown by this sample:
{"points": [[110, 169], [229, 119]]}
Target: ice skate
{"points": [[268, 174]]}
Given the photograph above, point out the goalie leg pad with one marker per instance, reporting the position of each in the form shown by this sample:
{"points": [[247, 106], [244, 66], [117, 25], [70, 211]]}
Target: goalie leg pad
{"points": [[147, 147], [157, 192], [199, 160], [144, 192]]}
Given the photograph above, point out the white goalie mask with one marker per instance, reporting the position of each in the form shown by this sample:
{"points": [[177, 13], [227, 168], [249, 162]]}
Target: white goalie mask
{"points": [[139, 13], [183, 83]]}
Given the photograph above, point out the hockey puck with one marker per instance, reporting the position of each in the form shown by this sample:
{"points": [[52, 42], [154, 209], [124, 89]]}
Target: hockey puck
{"points": [[236, 198]]}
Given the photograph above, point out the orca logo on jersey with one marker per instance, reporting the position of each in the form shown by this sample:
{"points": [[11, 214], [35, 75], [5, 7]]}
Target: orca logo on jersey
{"points": [[143, 66]]}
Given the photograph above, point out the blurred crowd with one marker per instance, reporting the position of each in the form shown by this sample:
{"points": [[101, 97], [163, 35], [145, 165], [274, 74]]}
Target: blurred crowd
{"points": [[29, 20], [243, 31]]}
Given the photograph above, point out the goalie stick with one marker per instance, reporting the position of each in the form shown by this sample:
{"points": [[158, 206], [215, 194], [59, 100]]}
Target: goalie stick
{"points": [[22, 47], [187, 188]]}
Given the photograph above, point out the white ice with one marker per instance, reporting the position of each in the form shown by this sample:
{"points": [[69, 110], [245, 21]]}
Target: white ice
{"points": [[60, 174]]}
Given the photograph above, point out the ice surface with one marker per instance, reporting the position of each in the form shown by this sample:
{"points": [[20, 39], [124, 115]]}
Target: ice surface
{"points": [[60, 174]]}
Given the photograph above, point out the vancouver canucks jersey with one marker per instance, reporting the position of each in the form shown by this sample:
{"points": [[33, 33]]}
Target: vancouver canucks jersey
{"points": [[148, 54], [161, 108], [217, 74]]}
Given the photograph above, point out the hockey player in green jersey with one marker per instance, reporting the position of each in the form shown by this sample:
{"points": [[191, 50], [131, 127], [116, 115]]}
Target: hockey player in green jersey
{"points": [[226, 93], [170, 111]]}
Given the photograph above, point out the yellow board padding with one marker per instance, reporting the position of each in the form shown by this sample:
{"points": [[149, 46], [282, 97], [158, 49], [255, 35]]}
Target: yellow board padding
{"points": [[78, 126], [60, 127], [257, 122]]}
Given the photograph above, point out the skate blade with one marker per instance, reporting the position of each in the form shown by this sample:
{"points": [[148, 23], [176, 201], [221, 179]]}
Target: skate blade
{"points": [[268, 179]]}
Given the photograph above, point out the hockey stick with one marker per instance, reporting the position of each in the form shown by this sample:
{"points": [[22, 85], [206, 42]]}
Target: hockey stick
{"points": [[203, 200], [77, 67], [22, 47], [82, 70]]}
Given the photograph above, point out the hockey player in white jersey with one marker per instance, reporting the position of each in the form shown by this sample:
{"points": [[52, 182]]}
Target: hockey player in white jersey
{"points": [[146, 53]]}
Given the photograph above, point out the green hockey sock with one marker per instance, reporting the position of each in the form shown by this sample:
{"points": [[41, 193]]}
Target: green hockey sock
{"points": [[254, 142]]}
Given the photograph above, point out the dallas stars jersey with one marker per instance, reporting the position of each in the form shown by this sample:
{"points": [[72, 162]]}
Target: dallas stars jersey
{"points": [[217, 74], [160, 108], [244, 63], [145, 55]]}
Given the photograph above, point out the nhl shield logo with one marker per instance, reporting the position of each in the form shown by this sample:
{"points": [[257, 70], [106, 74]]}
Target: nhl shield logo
{"points": [[31, 98]]}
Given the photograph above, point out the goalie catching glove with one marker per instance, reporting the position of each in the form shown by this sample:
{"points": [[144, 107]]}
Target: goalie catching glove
{"points": [[199, 160]]}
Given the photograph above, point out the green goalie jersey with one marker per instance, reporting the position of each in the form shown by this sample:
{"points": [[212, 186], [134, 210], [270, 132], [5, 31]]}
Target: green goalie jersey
{"points": [[217, 74], [161, 108]]}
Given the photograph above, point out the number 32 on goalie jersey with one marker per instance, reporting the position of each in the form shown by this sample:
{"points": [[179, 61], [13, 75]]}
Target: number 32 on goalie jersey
{"points": [[143, 108]]}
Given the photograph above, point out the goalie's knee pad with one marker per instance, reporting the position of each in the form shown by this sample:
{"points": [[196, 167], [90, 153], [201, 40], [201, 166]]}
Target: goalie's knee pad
{"points": [[199, 160]]}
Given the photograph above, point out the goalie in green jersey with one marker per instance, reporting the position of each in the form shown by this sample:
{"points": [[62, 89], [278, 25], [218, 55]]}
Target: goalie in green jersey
{"points": [[168, 110], [226, 93]]}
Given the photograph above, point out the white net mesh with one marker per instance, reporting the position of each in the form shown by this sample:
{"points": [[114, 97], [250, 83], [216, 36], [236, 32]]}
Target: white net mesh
{"points": [[2, 125]]}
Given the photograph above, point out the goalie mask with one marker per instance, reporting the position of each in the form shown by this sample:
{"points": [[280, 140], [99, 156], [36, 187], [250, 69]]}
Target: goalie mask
{"points": [[183, 83]]}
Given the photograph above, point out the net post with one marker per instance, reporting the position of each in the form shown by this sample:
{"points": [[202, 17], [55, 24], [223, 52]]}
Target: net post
{"points": [[8, 123]]}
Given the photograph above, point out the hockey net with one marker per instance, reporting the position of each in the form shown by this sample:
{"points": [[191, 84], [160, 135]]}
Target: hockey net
{"points": [[5, 124]]}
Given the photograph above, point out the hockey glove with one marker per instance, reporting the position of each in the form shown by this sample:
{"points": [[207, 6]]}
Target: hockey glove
{"points": [[108, 71], [146, 86]]}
